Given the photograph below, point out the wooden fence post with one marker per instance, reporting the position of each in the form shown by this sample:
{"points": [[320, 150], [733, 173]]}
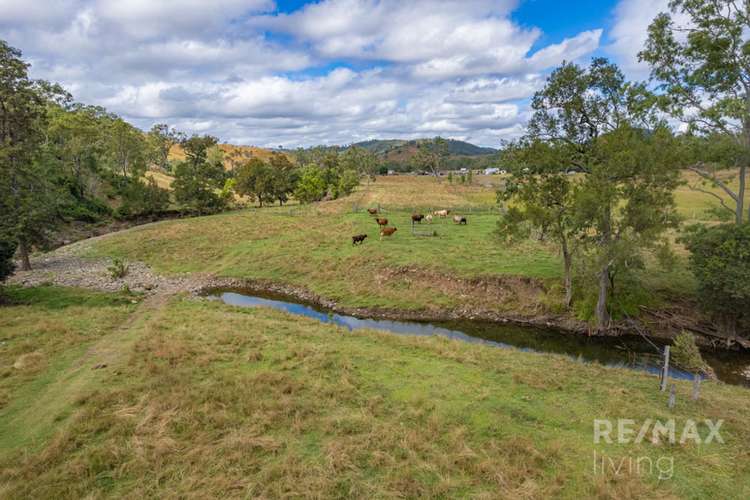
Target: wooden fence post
{"points": [[672, 396], [665, 370], [696, 386]]}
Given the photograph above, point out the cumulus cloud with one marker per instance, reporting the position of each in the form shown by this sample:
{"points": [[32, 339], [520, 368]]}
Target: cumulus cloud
{"points": [[630, 31], [334, 71]]}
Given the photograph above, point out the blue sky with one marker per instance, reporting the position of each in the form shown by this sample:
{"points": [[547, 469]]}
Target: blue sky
{"points": [[559, 20], [297, 73]]}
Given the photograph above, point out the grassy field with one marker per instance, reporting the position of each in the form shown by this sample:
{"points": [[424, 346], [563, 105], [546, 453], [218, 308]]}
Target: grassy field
{"points": [[314, 249], [311, 247], [201, 399]]}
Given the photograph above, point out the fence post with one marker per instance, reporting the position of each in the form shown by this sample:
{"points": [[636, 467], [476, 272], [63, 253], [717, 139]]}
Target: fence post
{"points": [[665, 370], [696, 386], [672, 396]]}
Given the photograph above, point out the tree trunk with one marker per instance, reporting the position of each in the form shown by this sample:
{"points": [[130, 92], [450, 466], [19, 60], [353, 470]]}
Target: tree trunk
{"points": [[741, 197], [23, 250], [568, 262], [602, 314]]}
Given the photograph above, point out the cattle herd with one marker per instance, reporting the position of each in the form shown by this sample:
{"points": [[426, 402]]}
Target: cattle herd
{"points": [[416, 218]]}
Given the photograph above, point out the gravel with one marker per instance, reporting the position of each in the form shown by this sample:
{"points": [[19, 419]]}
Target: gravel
{"points": [[66, 269]]}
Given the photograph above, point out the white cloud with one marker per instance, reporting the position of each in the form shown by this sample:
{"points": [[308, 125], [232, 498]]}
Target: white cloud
{"points": [[241, 71], [630, 31], [495, 90], [569, 49]]}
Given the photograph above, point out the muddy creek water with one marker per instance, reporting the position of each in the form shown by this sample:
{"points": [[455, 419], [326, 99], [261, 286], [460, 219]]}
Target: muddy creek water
{"points": [[626, 351]]}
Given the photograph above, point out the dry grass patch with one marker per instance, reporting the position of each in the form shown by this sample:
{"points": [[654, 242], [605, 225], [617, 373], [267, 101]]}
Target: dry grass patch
{"points": [[221, 401]]}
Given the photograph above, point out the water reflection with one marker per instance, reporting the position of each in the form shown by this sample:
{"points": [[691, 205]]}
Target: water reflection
{"points": [[630, 352]]}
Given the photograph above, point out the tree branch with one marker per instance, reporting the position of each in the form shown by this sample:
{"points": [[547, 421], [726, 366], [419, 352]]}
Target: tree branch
{"points": [[710, 193], [711, 177]]}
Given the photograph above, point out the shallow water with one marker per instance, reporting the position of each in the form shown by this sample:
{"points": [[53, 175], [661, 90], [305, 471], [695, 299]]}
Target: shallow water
{"points": [[629, 351]]}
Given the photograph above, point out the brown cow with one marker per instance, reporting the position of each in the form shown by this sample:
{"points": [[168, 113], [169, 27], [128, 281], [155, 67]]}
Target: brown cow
{"points": [[441, 213], [358, 238], [459, 219], [372, 211], [417, 218], [387, 231], [382, 222]]}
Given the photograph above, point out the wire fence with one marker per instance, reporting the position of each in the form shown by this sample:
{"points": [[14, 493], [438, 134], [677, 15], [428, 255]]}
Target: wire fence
{"points": [[432, 209], [313, 209]]}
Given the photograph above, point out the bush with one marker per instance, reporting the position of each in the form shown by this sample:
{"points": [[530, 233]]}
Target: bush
{"points": [[139, 198], [626, 293], [7, 250], [84, 209], [720, 261], [311, 185], [348, 181], [118, 269], [686, 353]]}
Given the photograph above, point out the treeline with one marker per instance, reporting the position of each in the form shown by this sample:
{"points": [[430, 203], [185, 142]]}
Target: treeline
{"points": [[619, 208], [63, 161], [424, 155], [316, 174]]}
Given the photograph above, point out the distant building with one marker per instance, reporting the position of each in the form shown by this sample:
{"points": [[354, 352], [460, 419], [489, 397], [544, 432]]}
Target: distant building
{"points": [[495, 171]]}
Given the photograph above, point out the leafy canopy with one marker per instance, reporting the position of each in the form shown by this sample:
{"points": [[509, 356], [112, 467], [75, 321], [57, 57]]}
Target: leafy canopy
{"points": [[720, 261], [700, 57]]}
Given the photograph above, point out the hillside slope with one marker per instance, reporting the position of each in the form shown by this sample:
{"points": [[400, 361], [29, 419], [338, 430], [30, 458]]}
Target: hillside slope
{"points": [[232, 153]]}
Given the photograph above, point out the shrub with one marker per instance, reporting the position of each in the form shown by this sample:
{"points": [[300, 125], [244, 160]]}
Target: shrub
{"points": [[347, 182], [118, 269], [626, 292], [7, 250], [311, 185], [686, 353], [720, 261], [142, 198]]}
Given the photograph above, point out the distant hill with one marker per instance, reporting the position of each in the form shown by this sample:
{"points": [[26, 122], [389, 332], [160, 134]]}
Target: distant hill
{"points": [[395, 153], [398, 153], [455, 147]]}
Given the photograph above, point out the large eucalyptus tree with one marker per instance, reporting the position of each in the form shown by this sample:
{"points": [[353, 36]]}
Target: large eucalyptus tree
{"points": [[699, 54], [595, 122]]}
